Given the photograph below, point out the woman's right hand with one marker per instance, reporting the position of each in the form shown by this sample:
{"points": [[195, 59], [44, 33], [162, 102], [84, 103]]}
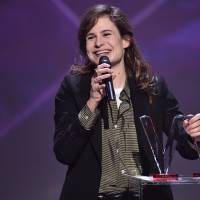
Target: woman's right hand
{"points": [[97, 91]]}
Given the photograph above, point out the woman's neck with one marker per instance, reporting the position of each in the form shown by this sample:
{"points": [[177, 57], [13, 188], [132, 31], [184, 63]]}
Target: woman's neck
{"points": [[119, 76]]}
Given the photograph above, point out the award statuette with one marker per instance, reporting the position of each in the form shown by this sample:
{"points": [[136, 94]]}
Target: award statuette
{"points": [[162, 156]]}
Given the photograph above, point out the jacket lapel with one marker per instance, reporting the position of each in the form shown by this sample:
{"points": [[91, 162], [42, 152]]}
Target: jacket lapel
{"points": [[141, 106]]}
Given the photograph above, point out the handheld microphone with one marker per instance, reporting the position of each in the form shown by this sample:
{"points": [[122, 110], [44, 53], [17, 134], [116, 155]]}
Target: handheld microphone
{"points": [[110, 92]]}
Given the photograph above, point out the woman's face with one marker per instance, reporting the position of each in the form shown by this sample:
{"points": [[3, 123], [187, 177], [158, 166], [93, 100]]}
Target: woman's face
{"points": [[104, 39]]}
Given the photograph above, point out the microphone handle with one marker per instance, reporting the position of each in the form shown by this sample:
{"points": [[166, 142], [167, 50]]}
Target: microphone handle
{"points": [[110, 92]]}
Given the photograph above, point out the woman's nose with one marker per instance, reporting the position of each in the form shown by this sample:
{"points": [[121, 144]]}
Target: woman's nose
{"points": [[99, 42]]}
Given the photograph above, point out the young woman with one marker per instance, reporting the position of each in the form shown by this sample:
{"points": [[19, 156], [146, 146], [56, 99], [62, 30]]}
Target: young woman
{"points": [[98, 138]]}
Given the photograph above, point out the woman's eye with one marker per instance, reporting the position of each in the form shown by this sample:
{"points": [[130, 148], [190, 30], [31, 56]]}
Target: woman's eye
{"points": [[90, 37], [107, 34]]}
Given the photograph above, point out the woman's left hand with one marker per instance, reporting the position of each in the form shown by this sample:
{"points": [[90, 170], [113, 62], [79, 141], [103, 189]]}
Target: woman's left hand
{"points": [[192, 126]]}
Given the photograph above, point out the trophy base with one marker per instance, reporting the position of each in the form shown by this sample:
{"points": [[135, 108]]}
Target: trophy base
{"points": [[196, 175], [165, 177]]}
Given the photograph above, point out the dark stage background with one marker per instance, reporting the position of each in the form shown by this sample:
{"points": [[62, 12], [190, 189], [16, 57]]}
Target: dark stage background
{"points": [[37, 46]]}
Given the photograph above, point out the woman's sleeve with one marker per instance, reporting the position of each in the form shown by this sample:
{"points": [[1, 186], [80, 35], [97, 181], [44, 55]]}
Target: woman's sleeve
{"points": [[171, 109], [70, 137]]}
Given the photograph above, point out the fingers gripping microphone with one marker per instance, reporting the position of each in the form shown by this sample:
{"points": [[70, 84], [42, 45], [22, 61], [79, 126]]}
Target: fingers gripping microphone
{"points": [[110, 92]]}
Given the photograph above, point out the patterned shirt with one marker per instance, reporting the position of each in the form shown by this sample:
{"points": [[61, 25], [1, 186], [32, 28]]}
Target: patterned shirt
{"points": [[119, 144]]}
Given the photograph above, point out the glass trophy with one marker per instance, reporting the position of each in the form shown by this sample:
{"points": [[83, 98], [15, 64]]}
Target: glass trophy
{"points": [[162, 154]]}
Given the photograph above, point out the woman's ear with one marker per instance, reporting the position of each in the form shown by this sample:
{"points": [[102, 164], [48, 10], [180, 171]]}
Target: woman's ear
{"points": [[126, 41]]}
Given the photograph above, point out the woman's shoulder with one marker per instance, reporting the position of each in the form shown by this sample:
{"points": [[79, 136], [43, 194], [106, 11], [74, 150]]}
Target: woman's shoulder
{"points": [[72, 78], [76, 82], [158, 85]]}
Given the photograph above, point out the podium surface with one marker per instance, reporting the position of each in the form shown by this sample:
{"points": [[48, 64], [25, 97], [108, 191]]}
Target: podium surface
{"points": [[145, 181]]}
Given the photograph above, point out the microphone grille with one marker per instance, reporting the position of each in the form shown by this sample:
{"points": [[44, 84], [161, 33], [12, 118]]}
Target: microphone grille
{"points": [[104, 59]]}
